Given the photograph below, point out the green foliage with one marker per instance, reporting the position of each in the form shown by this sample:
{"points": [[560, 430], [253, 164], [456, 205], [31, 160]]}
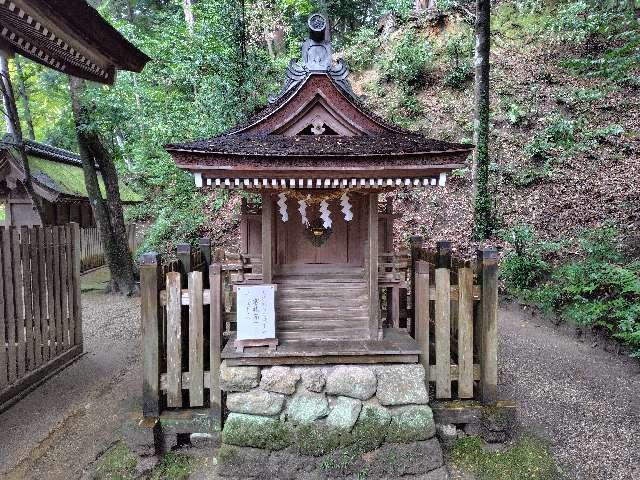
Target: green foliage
{"points": [[458, 51], [579, 96], [599, 289], [118, 463], [526, 459], [524, 266], [558, 135], [361, 50], [174, 466], [610, 32], [515, 113], [409, 61]]}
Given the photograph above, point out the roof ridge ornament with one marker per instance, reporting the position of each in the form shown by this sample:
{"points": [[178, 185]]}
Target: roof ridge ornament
{"points": [[316, 58]]}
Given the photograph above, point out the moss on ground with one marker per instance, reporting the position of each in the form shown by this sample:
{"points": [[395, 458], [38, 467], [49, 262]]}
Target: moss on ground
{"points": [[528, 458], [255, 431], [175, 466], [118, 463]]}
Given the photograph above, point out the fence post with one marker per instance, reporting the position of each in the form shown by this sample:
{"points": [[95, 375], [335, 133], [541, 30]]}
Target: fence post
{"points": [[183, 252], [215, 344], [77, 306], [488, 263], [149, 274], [421, 313], [444, 254], [443, 331], [415, 244]]}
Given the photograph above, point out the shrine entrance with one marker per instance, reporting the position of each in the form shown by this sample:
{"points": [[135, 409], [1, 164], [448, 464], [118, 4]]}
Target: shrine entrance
{"points": [[307, 248]]}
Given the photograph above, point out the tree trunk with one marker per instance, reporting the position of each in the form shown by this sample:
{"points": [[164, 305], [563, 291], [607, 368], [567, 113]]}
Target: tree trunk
{"points": [[107, 212], [187, 7], [14, 128], [483, 221], [22, 91]]}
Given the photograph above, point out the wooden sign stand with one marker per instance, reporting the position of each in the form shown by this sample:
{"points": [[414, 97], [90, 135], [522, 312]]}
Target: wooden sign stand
{"points": [[266, 312], [240, 345]]}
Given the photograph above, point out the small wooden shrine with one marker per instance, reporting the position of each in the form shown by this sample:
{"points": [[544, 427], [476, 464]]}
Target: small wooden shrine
{"points": [[58, 180], [319, 159]]}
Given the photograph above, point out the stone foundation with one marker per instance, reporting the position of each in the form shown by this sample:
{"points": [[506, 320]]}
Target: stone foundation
{"points": [[319, 409]]}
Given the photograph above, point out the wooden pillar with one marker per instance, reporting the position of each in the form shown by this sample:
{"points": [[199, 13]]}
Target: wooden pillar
{"points": [[149, 274], [488, 262], [415, 244], [267, 247], [76, 297], [421, 312], [215, 345], [444, 254], [372, 254]]}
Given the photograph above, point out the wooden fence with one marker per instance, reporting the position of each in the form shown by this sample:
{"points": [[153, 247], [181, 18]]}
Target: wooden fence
{"points": [[181, 305], [40, 313], [92, 252], [188, 309], [455, 324]]}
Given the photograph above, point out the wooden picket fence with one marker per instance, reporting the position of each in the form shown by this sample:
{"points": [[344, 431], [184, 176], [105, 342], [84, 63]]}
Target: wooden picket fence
{"points": [[456, 325], [182, 309], [40, 312], [92, 252]]}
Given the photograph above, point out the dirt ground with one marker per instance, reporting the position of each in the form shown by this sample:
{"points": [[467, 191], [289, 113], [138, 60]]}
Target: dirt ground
{"points": [[583, 399], [58, 430]]}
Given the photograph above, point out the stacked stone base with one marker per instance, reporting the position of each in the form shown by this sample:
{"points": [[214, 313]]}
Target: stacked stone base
{"points": [[329, 421]]}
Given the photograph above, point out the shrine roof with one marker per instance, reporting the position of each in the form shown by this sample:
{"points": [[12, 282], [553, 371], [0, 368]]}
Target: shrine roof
{"points": [[388, 144], [69, 36], [316, 126]]}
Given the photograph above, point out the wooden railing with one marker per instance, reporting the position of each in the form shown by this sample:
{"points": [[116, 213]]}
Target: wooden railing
{"points": [[188, 308], [455, 314], [92, 251], [182, 327], [40, 314]]}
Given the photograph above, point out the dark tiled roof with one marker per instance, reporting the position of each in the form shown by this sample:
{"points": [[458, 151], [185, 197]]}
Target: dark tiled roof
{"points": [[390, 144]]}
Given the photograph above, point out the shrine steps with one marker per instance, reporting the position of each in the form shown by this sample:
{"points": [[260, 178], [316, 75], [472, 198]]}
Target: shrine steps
{"points": [[322, 308]]}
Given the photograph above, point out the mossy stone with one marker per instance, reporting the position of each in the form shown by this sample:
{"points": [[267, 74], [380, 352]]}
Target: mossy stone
{"points": [[256, 431], [411, 423], [304, 408]]}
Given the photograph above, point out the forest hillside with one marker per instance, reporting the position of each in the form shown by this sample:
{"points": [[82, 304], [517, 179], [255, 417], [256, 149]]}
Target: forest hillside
{"points": [[565, 134]]}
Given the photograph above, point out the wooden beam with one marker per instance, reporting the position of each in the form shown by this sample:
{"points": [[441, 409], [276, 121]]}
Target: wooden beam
{"points": [[149, 275], [267, 247], [215, 345], [488, 260], [372, 253], [421, 312]]}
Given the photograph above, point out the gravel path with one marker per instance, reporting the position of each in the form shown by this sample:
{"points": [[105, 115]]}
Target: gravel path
{"points": [[585, 400], [58, 430]]}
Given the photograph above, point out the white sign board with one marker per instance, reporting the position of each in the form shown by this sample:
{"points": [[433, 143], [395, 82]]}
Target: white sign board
{"points": [[256, 312]]}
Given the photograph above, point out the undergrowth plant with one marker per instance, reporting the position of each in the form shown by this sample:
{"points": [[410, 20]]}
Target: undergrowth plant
{"points": [[599, 288], [409, 61]]}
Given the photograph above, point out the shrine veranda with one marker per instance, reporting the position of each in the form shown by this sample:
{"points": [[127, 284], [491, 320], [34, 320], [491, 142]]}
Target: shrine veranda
{"points": [[359, 336]]}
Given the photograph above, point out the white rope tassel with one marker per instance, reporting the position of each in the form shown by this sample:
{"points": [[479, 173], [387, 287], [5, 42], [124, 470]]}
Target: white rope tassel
{"points": [[325, 214], [346, 207], [282, 203], [303, 212]]}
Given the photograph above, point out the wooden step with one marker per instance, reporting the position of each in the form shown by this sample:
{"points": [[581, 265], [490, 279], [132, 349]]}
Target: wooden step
{"points": [[325, 324]]}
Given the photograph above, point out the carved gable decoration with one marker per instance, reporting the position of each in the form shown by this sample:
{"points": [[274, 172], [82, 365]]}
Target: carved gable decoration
{"points": [[317, 98]]}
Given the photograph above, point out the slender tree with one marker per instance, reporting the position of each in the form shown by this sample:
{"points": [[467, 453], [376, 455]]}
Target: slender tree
{"points": [[187, 7], [483, 219], [107, 211], [15, 129], [24, 97]]}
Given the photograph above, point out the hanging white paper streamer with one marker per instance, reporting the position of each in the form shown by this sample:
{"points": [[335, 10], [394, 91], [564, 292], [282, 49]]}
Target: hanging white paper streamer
{"points": [[325, 214], [303, 212], [282, 203], [346, 207]]}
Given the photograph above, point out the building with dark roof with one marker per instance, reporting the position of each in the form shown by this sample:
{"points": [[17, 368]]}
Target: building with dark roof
{"points": [[58, 179], [319, 158]]}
